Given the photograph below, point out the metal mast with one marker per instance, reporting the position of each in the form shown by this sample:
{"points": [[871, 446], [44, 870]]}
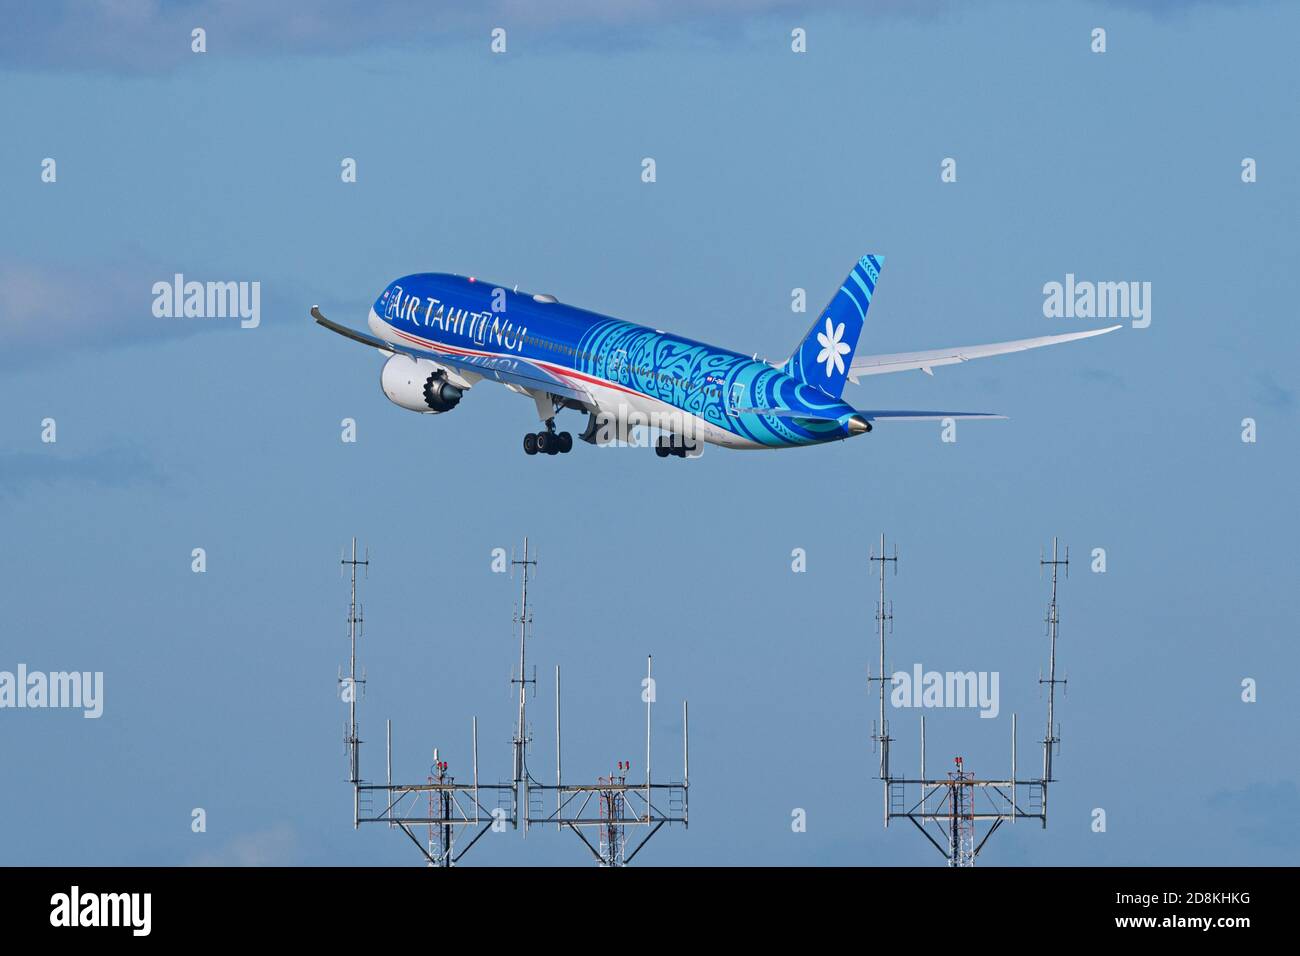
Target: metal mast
{"points": [[450, 809], [884, 616], [956, 803], [961, 822], [349, 686], [524, 618], [613, 811], [612, 804], [1052, 739], [451, 806]]}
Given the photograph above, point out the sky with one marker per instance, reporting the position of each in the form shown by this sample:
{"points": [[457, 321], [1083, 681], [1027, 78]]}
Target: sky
{"points": [[775, 171]]}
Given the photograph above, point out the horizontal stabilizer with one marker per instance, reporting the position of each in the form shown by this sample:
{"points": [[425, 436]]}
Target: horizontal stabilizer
{"points": [[869, 415], [915, 416]]}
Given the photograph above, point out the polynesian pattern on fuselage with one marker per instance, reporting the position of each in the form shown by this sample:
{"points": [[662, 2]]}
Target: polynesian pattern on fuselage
{"points": [[706, 382], [701, 380]]}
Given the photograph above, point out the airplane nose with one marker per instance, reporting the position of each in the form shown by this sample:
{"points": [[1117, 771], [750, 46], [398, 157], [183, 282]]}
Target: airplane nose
{"points": [[857, 425]]}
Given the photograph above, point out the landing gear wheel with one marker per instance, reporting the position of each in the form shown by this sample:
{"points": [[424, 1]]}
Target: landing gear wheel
{"points": [[548, 443]]}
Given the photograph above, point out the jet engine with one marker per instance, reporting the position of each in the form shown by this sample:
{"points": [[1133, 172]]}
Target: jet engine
{"points": [[418, 385]]}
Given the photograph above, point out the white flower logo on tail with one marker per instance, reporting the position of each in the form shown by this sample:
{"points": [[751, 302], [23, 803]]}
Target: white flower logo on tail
{"points": [[832, 347]]}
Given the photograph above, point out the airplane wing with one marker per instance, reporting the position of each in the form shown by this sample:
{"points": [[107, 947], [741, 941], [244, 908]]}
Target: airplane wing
{"points": [[925, 361], [504, 369], [362, 337]]}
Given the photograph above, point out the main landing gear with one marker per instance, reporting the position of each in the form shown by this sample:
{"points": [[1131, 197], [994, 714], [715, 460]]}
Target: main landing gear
{"points": [[549, 442], [677, 447]]}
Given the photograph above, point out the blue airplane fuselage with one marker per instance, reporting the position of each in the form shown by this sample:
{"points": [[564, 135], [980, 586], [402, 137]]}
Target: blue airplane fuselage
{"points": [[623, 367]]}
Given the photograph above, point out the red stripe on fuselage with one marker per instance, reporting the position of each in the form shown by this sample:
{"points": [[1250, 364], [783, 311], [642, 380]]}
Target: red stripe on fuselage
{"points": [[563, 371]]}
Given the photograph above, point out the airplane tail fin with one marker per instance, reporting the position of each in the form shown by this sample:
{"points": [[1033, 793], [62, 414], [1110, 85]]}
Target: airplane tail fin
{"points": [[823, 358]]}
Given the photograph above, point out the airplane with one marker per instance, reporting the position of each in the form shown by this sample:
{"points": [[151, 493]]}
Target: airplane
{"points": [[444, 334]]}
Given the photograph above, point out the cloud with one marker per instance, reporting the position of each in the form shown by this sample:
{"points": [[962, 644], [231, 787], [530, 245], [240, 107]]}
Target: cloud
{"points": [[147, 36], [1264, 813], [21, 472], [1267, 391], [46, 311], [144, 36], [1179, 7], [1103, 376], [274, 846]]}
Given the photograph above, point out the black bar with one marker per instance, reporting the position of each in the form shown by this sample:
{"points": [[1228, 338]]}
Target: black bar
{"points": [[337, 904]]}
